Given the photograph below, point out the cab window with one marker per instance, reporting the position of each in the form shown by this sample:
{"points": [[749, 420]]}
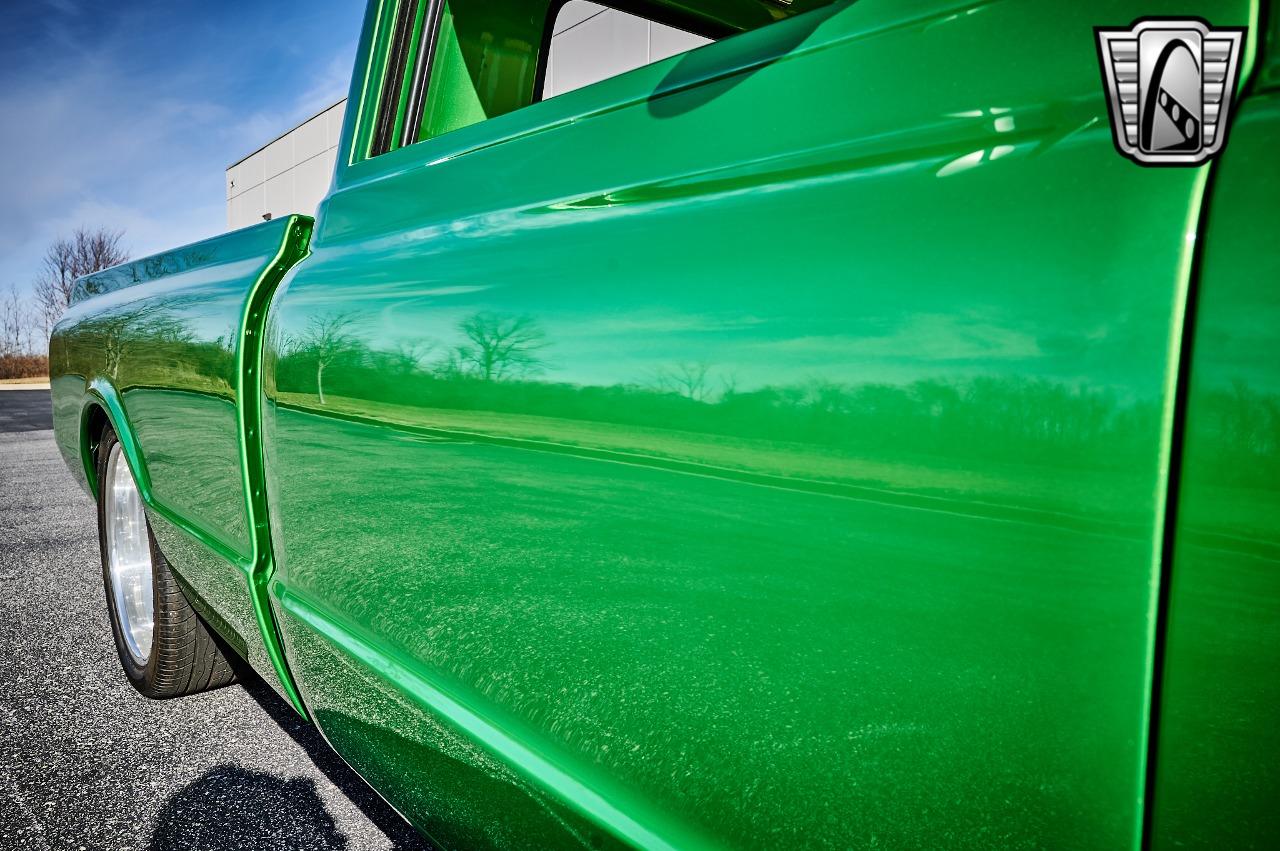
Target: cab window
{"points": [[439, 65], [590, 43]]}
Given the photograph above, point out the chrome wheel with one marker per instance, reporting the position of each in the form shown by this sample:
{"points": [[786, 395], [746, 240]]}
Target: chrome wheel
{"points": [[128, 558]]}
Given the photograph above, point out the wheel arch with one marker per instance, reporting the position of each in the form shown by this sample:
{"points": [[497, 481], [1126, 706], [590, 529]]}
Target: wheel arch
{"points": [[102, 407]]}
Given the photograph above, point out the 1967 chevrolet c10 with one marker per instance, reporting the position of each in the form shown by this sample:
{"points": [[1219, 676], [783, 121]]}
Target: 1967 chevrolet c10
{"points": [[822, 437]]}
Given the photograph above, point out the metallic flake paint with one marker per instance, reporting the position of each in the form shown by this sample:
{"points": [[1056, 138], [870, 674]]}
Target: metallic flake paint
{"points": [[822, 502]]}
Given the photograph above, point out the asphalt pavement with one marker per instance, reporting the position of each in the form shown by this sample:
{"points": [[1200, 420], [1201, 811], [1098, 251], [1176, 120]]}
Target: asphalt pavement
{"points": [[85, 761]]}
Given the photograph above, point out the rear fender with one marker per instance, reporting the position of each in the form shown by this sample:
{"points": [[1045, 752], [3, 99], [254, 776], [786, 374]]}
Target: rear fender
{"points": [[102, 396]]}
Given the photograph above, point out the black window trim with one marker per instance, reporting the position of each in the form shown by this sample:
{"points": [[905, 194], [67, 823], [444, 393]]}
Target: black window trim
{"points": [[393, 78], [414, 112]]}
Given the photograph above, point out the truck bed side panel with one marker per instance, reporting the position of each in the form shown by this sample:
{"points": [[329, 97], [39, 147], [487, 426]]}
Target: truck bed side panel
{"points": [[156, 343]]}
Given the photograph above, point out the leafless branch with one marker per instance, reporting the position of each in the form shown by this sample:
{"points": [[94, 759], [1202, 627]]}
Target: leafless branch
{"points": [[87, 251], [16, 324], [689, 379], [500, 347], [327, 338]]}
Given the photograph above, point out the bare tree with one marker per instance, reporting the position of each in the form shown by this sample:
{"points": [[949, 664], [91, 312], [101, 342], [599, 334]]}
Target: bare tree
{"points": [[728, 385], [16, 336], [500, 347], [409, 356], [328, 337], [229, 337], [135, 333], [87, 251], [687, 378]]}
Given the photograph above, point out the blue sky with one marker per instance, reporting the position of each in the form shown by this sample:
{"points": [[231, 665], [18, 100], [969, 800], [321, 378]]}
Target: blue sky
{"points": [[127, 114]]}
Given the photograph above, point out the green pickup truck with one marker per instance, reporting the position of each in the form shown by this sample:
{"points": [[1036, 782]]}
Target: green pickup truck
{"points": [[821, 437]]}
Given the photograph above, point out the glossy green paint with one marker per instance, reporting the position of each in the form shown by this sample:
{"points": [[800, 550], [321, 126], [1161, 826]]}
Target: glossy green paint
{"points": [[833, 511], [818, 496], [1268, 72], [1217, 780], [163, 347]]}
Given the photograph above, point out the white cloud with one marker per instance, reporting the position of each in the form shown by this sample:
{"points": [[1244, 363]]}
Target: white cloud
{"points": [[328, 87], [134, 123], [925, 337]]}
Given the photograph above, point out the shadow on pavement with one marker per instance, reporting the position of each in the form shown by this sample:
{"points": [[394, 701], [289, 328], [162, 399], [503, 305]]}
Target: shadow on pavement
{"points": [[402, 835], [232, 807]]}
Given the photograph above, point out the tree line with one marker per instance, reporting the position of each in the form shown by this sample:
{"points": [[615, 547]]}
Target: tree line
{"points": [[500, 363]]}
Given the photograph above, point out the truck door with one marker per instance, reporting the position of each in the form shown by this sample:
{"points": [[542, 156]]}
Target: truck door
{"points": [[764, 446]]}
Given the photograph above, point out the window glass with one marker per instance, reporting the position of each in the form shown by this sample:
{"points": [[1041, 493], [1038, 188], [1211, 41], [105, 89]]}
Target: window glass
{"points": [[440, 65], [590, 43], [483, 63], [452, 99]]}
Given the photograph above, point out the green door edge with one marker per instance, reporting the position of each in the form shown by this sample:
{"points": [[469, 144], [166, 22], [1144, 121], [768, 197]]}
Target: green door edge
{"points": [[1174, 422], [1166, 482], [293, 247]]}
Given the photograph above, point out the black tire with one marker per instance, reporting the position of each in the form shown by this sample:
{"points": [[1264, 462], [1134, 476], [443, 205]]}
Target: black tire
{"points": [[185, 657]]}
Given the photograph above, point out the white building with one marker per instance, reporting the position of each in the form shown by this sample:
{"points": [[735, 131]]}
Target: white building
{"points": [[289, 174], [589, 43]]}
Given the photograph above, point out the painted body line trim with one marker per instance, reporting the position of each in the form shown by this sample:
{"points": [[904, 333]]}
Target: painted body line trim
{"points": [[600, 808], [981, 509], [293, 247]]}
